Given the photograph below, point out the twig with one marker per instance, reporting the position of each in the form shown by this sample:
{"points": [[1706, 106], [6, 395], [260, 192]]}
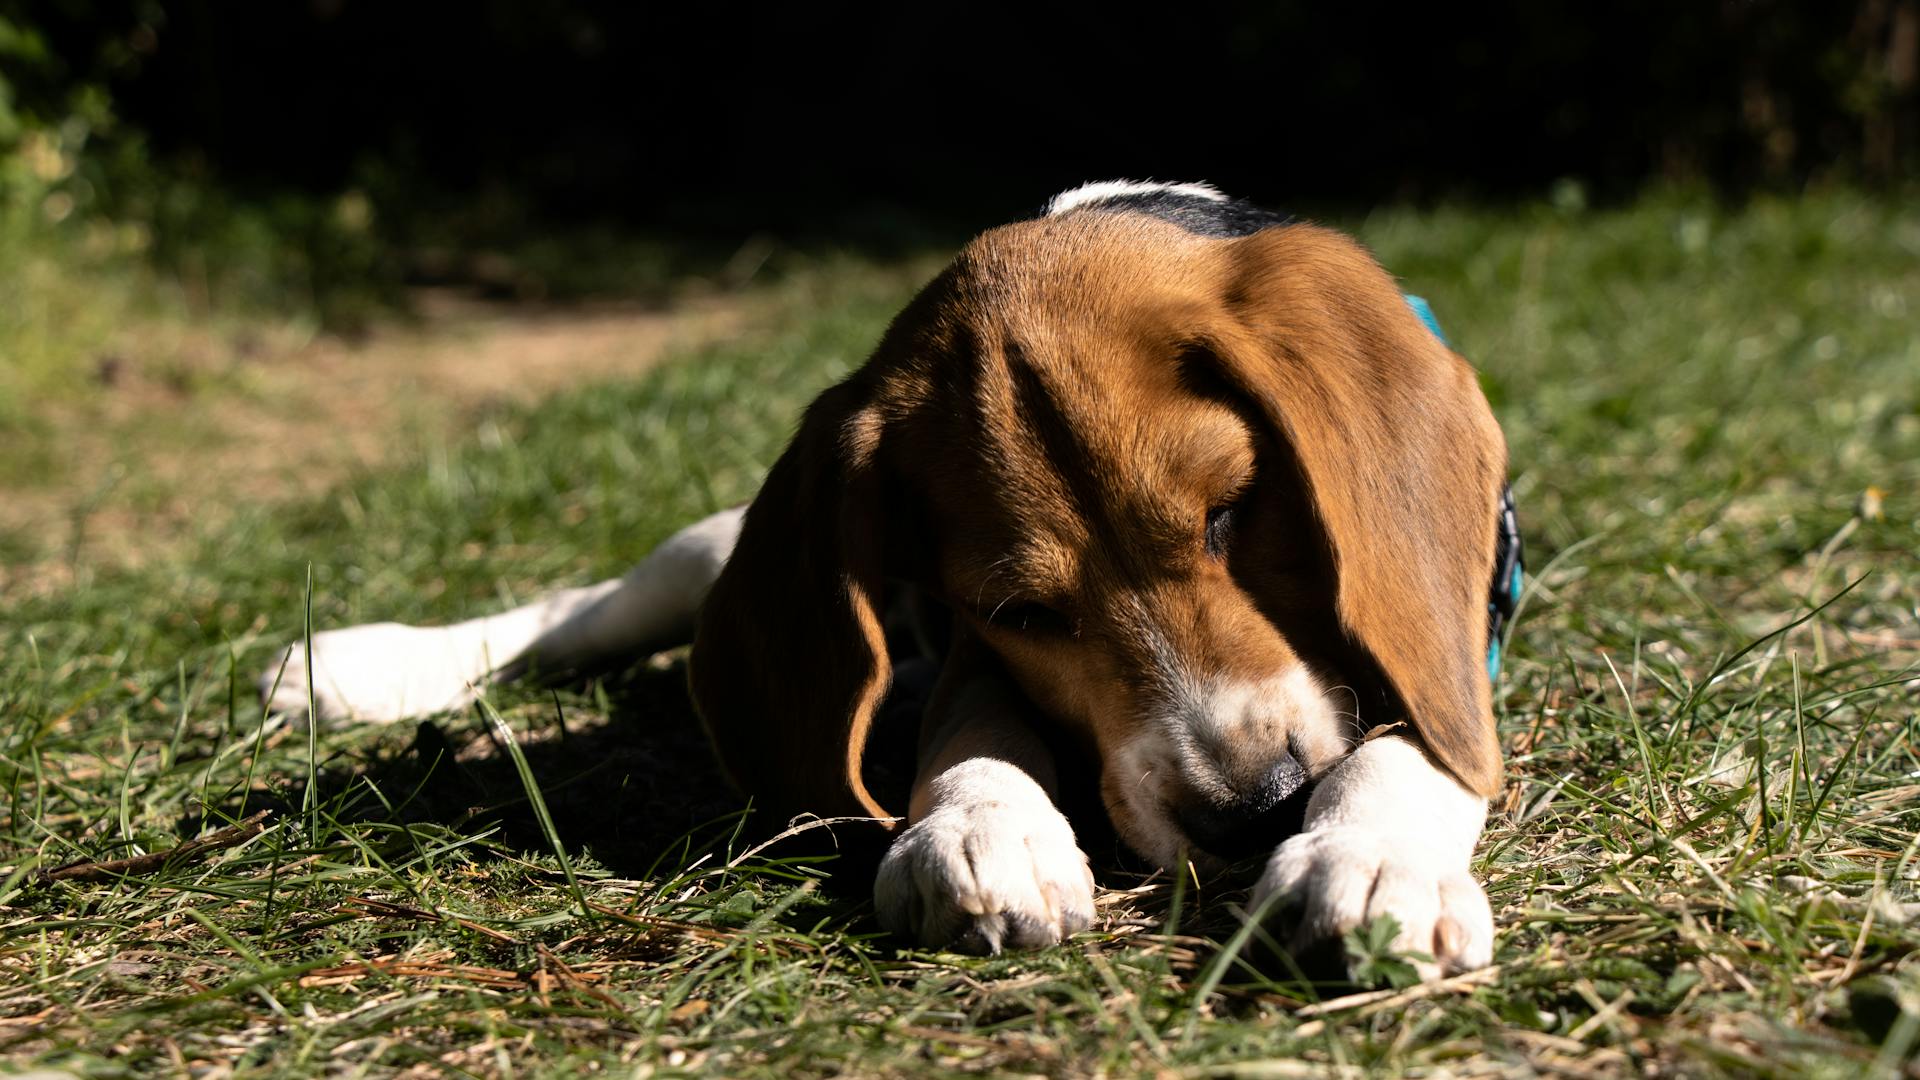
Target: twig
{"points": [[1375, 1000], [656, 922], [805, 826], [88, 869], [576, 980], [366, 906]]}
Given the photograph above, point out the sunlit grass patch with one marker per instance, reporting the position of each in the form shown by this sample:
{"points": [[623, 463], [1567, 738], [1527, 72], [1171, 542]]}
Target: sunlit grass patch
{"points": [[1704, 862]]}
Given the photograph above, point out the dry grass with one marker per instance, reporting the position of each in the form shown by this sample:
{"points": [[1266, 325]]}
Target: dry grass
{"points": [[1705, 862]]}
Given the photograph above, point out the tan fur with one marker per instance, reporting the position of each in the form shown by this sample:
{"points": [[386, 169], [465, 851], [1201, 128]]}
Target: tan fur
{"points": [[1049, 423]]}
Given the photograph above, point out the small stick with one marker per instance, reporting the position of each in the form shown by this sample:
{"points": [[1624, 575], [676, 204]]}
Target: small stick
{"points": [[88, 870], [362, 905], [1374, 1001]]}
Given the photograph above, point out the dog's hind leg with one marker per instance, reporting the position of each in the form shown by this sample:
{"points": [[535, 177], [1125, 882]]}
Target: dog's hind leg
{"points": [[382, 672]]}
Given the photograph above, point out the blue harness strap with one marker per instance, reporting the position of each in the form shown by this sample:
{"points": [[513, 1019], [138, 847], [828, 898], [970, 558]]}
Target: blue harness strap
{"points": [[1425, 311], [1509, 569], [1508, 576]]}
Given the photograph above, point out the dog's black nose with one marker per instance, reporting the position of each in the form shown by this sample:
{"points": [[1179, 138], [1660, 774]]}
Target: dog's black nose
{"points": [[1254, 818]]}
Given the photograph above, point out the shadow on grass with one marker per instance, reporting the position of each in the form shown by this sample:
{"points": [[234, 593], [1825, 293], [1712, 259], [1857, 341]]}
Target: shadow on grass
{"points": [[636, 788], [630, 786], [631, 783]]}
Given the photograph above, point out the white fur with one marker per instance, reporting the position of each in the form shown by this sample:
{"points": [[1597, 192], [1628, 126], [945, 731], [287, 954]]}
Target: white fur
{"points": [[384, 672], [1110, 189], [993, 864], [1388, 833], [1205, 723]]}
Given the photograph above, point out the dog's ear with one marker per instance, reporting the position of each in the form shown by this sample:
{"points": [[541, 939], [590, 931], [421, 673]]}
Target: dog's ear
{"points": [[1403, 462], [789, 660]]}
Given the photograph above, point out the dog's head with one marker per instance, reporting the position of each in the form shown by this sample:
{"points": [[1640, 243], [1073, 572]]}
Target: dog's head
{"points": [[1218, 505]]}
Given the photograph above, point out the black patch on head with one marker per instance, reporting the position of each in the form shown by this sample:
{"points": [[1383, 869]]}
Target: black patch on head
{"points": [[1220, 218]]}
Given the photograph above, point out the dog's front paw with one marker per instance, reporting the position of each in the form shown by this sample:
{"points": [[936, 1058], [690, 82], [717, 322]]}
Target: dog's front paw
{"points": [[981, 876], [1333, 879], [377, 673]]}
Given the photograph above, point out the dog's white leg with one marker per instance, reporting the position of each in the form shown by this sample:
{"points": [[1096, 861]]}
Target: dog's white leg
{"points": [[987, 860], [1387, 833], [388, 671]]}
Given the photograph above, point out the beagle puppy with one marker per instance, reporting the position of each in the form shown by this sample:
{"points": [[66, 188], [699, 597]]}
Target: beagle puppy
{"points": [[1181, 493]]}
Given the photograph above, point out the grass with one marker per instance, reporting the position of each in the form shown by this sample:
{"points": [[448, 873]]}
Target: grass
{"points": [[1705, 862]]}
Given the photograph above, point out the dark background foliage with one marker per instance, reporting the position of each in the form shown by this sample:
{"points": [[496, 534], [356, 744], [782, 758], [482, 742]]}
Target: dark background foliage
{"points": [[718, 117]]}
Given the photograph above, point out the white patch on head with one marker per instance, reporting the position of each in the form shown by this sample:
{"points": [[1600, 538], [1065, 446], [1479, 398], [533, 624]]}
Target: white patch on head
{"points": [[1211, 727], [1290, 711], [1114, 189]]}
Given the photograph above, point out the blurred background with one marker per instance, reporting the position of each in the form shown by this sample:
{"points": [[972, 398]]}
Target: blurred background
{"points": [[206, 201], [383, 142]]}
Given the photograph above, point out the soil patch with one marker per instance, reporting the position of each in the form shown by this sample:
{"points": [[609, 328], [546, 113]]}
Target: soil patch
{"points": [[185, 425]]}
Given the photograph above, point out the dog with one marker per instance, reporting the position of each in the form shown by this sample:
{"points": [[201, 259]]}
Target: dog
{"points": [[1180, 493]]}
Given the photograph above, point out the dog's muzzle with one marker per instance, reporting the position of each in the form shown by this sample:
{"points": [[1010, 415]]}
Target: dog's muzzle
{"points": [[1250, 820]]}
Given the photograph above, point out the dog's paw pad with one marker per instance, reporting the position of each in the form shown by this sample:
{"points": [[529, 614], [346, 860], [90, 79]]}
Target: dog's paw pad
{"points": [[982, 877], [1326, 882]]}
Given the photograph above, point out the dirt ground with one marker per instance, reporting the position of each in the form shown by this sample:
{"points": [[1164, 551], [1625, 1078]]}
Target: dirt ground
{"points": [[183, 425]]}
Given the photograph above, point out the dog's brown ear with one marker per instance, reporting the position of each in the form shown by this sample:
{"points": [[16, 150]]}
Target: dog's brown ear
{"points": [[1404, 463], [789, 661]]}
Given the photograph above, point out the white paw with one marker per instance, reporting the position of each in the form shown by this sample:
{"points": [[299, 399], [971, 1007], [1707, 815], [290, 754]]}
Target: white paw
{"points": [[981, 876], [1336, 878], [376, 673]]}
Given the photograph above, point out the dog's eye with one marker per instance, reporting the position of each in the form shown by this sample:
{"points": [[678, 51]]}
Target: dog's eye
{"points": [[1029, 618], [1219, 530]]}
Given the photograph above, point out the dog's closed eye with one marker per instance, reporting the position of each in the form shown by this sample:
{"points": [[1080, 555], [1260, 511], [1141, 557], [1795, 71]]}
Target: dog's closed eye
{"points": [[1029, 617], [1219, 530]]}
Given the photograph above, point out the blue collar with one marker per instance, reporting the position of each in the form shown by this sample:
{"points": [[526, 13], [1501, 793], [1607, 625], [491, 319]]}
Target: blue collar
{"points": [[1425, 311]]}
